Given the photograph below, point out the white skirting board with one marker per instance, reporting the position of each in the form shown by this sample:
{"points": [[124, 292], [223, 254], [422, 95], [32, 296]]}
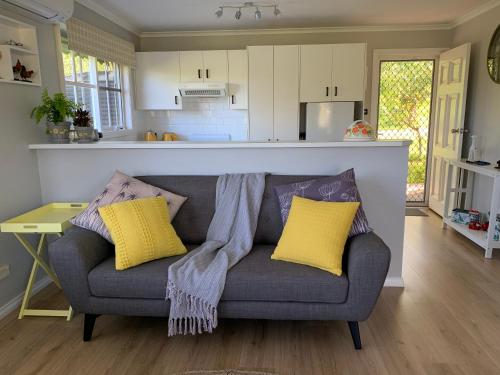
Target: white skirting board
{"points": [[394, 282], [15, 302]]}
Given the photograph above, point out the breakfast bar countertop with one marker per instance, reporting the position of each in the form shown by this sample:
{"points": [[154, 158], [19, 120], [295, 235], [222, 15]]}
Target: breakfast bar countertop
{"points": [[211, 145]]}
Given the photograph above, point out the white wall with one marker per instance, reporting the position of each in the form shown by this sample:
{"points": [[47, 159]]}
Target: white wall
{"points": [[19, 177], [483, 101], [210, 117]]}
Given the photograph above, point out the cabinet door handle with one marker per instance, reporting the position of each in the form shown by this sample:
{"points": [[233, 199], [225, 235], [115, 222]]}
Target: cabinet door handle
{"points": [[232, 99], [336, 90], [199, 73], [327, 91], [206, 71], [176, 99]]}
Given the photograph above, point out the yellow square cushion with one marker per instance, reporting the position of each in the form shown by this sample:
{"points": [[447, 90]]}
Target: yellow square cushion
{"points": [[141, 231], [315, 233]]}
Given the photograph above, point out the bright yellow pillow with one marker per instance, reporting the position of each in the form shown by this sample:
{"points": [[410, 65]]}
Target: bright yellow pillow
{"points": [[315, 233], [141, 231]]}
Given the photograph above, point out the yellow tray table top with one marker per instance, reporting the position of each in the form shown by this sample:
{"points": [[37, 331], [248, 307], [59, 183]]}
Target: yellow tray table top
{"points": [[51, 218]]}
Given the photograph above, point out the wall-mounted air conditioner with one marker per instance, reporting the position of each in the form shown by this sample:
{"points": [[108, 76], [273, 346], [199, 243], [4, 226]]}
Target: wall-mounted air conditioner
{"points": [[45, 10]]}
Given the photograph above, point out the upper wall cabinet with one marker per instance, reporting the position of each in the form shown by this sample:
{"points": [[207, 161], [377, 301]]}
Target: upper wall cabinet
{"points": [[348, 72], [157, 81], [238, 79], [204, 66], [332, 72], [316, 73]]}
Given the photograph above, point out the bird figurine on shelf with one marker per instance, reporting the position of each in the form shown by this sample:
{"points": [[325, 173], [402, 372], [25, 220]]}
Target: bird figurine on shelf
{"points": [[21, 72]]}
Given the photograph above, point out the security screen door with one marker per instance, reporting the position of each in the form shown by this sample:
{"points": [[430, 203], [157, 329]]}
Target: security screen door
{"points": [[404, 109]]}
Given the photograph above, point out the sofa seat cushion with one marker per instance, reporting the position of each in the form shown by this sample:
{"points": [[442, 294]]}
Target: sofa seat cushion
{"points": [[255, 278]]}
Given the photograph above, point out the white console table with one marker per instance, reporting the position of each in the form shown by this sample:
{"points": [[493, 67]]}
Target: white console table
{"points": [[459, 186]]}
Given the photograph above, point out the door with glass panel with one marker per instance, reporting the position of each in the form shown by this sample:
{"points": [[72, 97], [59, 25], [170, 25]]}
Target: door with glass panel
{"points": [[403, 91]]}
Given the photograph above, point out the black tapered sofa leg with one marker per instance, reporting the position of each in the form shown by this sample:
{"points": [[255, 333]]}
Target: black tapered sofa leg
{"points": [[88, 326], [356, 338]]}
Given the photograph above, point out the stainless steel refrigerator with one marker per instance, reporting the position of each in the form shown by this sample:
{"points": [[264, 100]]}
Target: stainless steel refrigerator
{"points": [[326, 122]]}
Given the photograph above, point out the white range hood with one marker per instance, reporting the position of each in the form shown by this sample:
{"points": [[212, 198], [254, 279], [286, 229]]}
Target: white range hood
{"points": [[203, 89]]}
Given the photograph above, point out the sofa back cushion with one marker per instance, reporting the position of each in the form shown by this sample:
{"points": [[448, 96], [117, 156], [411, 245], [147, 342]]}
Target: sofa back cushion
{"points": [[193, 219]]}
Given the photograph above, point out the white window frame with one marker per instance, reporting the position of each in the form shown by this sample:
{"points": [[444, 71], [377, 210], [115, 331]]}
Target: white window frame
{"points": [[125, 89]]}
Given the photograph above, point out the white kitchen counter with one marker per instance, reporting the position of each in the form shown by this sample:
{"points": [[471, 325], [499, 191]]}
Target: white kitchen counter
{"points": [[78, 172], [211, 145]]}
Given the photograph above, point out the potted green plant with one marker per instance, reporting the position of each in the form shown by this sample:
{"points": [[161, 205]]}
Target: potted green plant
{"points": [[56, 110], [83, 126]]}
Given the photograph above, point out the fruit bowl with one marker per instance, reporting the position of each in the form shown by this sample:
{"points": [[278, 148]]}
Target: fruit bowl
{"points": [[359, 131]]}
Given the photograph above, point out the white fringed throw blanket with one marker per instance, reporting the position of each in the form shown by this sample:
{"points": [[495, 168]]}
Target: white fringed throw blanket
{"points": [[196, 282]]}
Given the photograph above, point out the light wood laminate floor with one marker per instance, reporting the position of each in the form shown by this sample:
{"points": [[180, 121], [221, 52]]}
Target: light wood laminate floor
{"points": [[446, 321]]}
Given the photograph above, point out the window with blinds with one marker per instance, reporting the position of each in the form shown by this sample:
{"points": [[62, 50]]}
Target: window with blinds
{"points": [[96, 85]]}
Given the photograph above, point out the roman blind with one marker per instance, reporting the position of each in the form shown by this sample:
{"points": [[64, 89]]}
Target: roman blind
{"points": [[90, 40]]}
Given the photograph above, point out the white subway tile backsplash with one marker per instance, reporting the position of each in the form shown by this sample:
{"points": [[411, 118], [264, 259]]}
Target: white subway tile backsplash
{"points": [[200, 117]]}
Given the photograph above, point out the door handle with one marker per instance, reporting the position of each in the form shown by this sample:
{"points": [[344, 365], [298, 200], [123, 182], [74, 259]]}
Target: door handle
{"points": [[327, 91], [232, 99], [461, 131], [336, 90], [206, 74], [199, 73], [176, 99]]}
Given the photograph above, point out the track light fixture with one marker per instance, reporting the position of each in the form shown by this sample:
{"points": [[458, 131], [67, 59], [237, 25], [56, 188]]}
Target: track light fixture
{"points": [[248, 5]]}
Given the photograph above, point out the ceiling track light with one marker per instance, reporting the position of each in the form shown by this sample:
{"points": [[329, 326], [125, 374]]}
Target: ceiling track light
{"points": [[248, 5]]}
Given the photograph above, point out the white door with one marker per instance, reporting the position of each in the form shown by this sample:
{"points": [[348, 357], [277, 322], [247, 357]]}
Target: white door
{"points": [[215, 66], [191, 66], [348, 72], [449, 119], [316, 73], [286, 93], [157, 81], [260, 92], [238, 79]]}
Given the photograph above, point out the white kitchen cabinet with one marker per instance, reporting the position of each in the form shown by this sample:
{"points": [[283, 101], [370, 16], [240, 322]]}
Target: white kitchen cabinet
{"points": [[260, 92], [157, 79], [348, 72], [203, 66], [316, 73], [286, 93], [191, 66], [238, 79], [332, 72], [215, 66]]}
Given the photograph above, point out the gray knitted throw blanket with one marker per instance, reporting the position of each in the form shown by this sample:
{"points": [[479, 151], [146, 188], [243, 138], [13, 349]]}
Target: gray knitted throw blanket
{"points": [[196, 282]]}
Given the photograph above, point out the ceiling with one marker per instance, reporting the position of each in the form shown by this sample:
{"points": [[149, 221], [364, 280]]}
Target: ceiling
{"points": [[179, 15]]}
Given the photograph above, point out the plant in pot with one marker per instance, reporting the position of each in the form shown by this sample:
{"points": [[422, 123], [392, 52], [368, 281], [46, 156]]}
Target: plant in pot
{"points": [[83, 126], [56, 110]]}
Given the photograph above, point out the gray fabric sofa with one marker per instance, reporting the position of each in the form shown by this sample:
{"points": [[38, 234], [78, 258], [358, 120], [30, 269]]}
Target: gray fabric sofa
{"points": [[256, 288]]}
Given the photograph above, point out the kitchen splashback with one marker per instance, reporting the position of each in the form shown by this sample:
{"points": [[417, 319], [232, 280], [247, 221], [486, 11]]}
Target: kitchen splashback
{"points": [[207, 119]]}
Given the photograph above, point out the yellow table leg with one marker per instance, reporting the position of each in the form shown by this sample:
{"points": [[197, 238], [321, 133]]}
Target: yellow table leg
{"points": [[39, 261]]}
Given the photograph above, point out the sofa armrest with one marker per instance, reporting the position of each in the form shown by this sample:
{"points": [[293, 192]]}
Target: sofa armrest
{"points": [[73, 256], [367, 262]]}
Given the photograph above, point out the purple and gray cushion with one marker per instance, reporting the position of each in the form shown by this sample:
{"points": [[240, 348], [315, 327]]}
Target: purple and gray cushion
{"points": [[340, 188], [123, 188]]}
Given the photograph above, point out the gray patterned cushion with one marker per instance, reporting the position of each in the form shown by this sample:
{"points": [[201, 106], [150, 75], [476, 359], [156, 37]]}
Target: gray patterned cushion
{"points": [[123, 188], [340, 188]]}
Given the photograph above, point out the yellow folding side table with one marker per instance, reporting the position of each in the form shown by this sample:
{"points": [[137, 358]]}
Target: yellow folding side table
{"points": [[54, 219]]}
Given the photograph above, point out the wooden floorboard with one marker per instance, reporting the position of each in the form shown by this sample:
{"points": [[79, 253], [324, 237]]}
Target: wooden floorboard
{"points": [[446, 321]]}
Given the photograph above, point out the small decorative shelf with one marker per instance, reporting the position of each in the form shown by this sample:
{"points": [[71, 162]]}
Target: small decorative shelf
{"points": [[26, 54], [458, 194]]}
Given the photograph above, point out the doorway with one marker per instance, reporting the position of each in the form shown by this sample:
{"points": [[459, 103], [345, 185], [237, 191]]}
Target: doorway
{"points": [[403, 93]]}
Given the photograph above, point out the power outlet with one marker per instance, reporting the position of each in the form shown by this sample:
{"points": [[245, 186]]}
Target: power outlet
{"points": [[4, 271]]}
